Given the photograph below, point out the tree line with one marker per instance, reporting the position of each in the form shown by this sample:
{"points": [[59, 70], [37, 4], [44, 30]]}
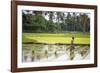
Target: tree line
{"points": [[53, 22]]}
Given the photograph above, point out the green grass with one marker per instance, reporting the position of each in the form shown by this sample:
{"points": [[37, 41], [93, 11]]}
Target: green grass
{"points": [[80, 38]]}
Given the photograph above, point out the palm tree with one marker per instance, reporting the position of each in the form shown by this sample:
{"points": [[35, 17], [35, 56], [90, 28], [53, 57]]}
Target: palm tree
{"points": [[84, 21]]}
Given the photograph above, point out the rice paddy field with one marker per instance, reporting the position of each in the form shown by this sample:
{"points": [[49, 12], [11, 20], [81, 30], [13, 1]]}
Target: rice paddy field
{"points": [[52, 51], [65, 38]]}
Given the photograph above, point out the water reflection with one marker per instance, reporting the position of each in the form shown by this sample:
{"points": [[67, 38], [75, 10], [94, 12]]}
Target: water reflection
{"points": [[47, 52]]}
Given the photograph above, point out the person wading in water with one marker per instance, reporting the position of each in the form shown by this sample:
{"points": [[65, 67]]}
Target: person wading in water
{"points": [[72, 47]]}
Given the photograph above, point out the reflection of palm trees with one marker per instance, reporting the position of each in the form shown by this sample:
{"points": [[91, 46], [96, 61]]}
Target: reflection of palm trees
{"points": [[38, 57], [50, 52], [33, 55], [56, 55], [84, 51], [46, 53]]}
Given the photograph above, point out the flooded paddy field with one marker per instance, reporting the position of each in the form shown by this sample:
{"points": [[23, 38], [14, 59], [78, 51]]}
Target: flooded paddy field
{"points": [[54, 52]]}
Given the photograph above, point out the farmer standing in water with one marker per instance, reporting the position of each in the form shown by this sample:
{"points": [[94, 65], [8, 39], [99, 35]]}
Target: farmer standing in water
{"points": [[72, 55]]}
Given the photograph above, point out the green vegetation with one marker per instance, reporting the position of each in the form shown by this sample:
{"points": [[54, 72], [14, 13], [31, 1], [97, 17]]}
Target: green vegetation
{"points": [[55, 27], [80, 38], [55, 22]]}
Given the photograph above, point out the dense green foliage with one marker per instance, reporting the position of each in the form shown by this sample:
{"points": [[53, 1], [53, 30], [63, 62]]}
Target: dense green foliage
{"points": [[54, 22]]}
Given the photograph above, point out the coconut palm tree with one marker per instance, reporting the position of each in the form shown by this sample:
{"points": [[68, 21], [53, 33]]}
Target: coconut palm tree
{"points": [[84, 20]]}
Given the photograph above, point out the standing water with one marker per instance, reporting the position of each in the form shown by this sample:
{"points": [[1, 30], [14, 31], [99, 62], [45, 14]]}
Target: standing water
{"points": [[53, 52]]}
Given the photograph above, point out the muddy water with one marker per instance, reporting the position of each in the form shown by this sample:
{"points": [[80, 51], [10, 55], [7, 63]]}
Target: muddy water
{"points": [[42, 52]]}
